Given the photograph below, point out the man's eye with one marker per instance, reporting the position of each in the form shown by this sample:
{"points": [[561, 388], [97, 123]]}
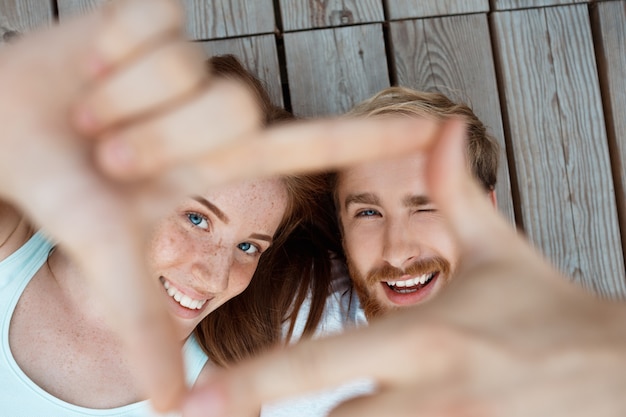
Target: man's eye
{"points": [[198, 220], [248, 248], [367, 213]]}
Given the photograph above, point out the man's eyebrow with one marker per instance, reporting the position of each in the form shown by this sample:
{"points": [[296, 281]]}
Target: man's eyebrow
{"points": [[416, 200], [363, 198], [212, 207], [261, 237]]}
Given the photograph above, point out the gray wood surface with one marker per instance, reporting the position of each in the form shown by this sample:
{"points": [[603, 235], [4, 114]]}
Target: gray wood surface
{"points": [[609, 21], [20, 16], [306, 14], [258, 54], [402, 9], [330, 70], [555, 119], [453, 55], [209, 19], [68, 8], [524, 4]]}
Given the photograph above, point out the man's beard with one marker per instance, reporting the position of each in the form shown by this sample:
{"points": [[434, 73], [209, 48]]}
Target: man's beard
{"points": [[371, 306]]}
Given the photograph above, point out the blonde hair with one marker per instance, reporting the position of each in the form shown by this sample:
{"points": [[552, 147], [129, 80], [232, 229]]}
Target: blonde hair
{"points": [[482, 147]]}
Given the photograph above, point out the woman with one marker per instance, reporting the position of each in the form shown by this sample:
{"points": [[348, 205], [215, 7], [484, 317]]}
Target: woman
{"points": [[294, 271], [60, 357]]}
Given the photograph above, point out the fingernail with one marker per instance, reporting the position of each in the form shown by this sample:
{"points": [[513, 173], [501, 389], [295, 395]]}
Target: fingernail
{"points": [[207, 403]]}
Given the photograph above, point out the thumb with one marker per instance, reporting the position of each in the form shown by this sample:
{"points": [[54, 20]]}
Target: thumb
{"points": [[471, 216]]}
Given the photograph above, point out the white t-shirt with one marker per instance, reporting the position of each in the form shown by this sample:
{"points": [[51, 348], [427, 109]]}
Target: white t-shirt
{"points": [[342, 312]]}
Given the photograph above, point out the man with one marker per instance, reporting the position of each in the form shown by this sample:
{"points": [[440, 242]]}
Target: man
{"points": [[398, 249], [397, 246]]}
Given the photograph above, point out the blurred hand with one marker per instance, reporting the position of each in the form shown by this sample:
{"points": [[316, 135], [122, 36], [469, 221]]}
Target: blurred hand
{"points": [[509, 337], [46, 169]]}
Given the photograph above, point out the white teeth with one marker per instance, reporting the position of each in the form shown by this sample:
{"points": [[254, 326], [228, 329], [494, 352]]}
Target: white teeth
{"points": [[422, 279], [182, 299]]}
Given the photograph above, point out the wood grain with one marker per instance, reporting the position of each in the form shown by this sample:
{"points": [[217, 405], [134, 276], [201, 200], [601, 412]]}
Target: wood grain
{"points": [[559, 141], [525, 4], [69, 8], [609, 24], [402, 9], [453, 55], [21, 16], [258, 54], [210, 19], [307, 14], [330, 70]]}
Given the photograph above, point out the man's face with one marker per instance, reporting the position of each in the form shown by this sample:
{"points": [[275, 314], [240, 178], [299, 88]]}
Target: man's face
{"points": [[398, 248]]}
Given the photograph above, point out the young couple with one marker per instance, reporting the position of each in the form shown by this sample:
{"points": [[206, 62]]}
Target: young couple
{"points": [[108, 96]]}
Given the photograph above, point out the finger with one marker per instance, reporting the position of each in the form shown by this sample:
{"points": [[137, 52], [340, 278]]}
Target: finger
{"points": [[137, 314], [158, 79], [479, 229], [441, 400], [317, 145], [324, 363], [130, 27], [224, 112], [289, 148]]}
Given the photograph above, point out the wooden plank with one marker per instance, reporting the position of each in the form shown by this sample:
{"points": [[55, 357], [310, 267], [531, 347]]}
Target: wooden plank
{"points": [[453, 55], [555, 119], [331, 70], [402, 9], [258, 54], [526, 4], [20, 16], [69, 8], [609, 24], [306, 14], [210, 19]]}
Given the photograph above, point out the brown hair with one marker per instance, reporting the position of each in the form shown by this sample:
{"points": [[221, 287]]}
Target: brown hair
{"points": [[482, 147], [297, 262]]}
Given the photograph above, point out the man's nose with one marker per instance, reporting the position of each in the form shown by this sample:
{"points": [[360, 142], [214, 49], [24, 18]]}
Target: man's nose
{"points": [[400, 247]]}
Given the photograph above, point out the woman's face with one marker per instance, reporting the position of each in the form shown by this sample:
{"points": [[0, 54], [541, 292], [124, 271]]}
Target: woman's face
{"points": [[206, 252]]}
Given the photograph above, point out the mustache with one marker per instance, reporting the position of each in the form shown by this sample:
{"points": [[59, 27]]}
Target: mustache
{"points": [[423, 266]]}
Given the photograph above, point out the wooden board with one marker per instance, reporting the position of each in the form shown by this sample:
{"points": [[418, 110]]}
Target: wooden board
{"points": [[609, 24], [525, 4], [69, 8], [210, 19], [555, 119], [306, 14], [20, 16], [453, 55], [402, 9], [331, 70], [258, 54]]}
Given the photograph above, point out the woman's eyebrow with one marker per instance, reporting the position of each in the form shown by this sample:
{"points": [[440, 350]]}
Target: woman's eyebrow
{"points": [[261, 237], [212, 207]]}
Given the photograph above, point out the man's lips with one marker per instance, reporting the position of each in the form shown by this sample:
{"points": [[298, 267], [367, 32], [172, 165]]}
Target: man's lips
{"points": [[182, 299]]}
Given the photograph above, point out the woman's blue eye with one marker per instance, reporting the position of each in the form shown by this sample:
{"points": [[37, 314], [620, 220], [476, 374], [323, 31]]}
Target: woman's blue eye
{"points": [[248, 248], [198, 220]]}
